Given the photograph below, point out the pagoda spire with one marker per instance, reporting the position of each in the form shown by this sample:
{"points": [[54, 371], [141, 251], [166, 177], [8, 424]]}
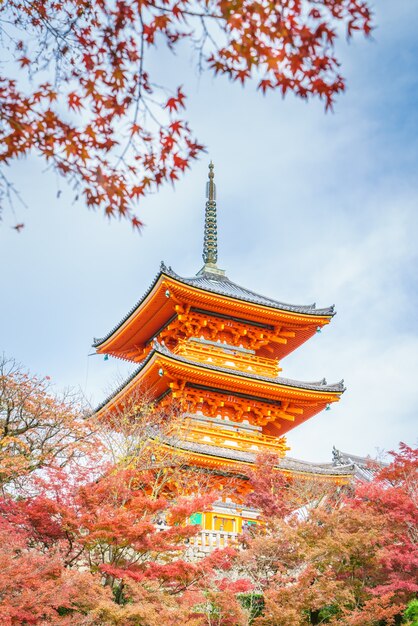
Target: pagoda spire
{"points": [[210, 242], [210, 239]]}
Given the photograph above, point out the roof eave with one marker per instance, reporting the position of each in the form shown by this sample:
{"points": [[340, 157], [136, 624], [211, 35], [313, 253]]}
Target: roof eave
{"points": [[165, 272], [98, 342], [335, 389]]}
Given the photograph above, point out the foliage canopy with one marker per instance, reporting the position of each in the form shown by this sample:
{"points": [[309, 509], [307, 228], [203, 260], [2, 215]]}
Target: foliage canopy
{"points": [[86, 99]]}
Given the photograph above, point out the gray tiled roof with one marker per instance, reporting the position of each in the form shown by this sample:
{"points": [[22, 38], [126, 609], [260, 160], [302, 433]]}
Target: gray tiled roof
{"points": [[223, 286], [320, 385], [157, 348], [365, 468], [289, 464], [341, 458]]}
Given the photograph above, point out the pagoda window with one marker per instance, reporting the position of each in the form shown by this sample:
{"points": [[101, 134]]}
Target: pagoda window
{"points": [[224, 523]]}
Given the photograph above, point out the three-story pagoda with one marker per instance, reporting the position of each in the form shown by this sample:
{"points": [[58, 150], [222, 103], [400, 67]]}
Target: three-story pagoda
{"points": [[215, 349]]}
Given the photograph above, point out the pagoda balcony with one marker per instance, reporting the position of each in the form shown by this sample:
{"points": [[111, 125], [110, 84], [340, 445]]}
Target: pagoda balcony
{"points": [[206, 541], [229, 357], [224, 433]]}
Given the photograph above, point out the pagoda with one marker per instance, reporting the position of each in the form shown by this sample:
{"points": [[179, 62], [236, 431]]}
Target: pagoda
{"points": [[215, 349]]}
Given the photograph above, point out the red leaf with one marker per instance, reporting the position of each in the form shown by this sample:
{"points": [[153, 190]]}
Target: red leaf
{"points": [[172, 104], [265, 84], [136, 223], [24, 61]]}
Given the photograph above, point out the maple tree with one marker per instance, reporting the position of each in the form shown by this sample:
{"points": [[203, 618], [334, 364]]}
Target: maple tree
{"points": [[393, 496], [38, 428], [36, 587], [278, 495], [86, 99], [100, 534], [350, 558]]}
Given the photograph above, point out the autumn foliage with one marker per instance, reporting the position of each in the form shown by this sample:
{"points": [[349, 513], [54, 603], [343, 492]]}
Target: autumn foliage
{"points": [[345, 557], [86, 96], [37, 427], [101, 533], [98, 534]]}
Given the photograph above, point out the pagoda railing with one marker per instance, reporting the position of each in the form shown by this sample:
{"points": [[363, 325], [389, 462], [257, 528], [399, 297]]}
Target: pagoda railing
{"points": [[237, 439], [228, 358], [208, 540]]}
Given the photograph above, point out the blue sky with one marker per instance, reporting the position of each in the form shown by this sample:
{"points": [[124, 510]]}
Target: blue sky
{"points": [[312, 207]]}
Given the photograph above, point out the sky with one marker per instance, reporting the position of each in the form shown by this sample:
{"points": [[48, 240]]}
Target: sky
{"points": [[312, 207]]}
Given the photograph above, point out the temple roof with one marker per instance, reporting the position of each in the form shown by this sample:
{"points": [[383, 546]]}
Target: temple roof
{"points": [[365, 468], [349, 465], [320, 386], [341, 458], [221, 285], [287, 464]]}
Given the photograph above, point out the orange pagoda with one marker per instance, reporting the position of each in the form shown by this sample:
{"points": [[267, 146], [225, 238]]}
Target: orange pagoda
{"points": [[215, 349]]}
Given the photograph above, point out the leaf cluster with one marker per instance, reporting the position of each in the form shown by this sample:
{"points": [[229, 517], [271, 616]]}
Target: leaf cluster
{"points": [[87, 98]]}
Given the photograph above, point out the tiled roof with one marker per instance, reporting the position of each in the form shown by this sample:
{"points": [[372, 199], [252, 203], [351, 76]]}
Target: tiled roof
{"points": [[365, 468], [221, 285], [320, 386], [288, 464], [341, 458]]}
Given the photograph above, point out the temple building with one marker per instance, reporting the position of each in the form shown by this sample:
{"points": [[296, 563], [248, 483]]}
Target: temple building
{"points": [[215, 349]]}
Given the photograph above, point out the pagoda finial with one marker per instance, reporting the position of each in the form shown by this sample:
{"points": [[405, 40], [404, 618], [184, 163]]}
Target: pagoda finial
{"points": [[210, 185], [210, 242]]}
